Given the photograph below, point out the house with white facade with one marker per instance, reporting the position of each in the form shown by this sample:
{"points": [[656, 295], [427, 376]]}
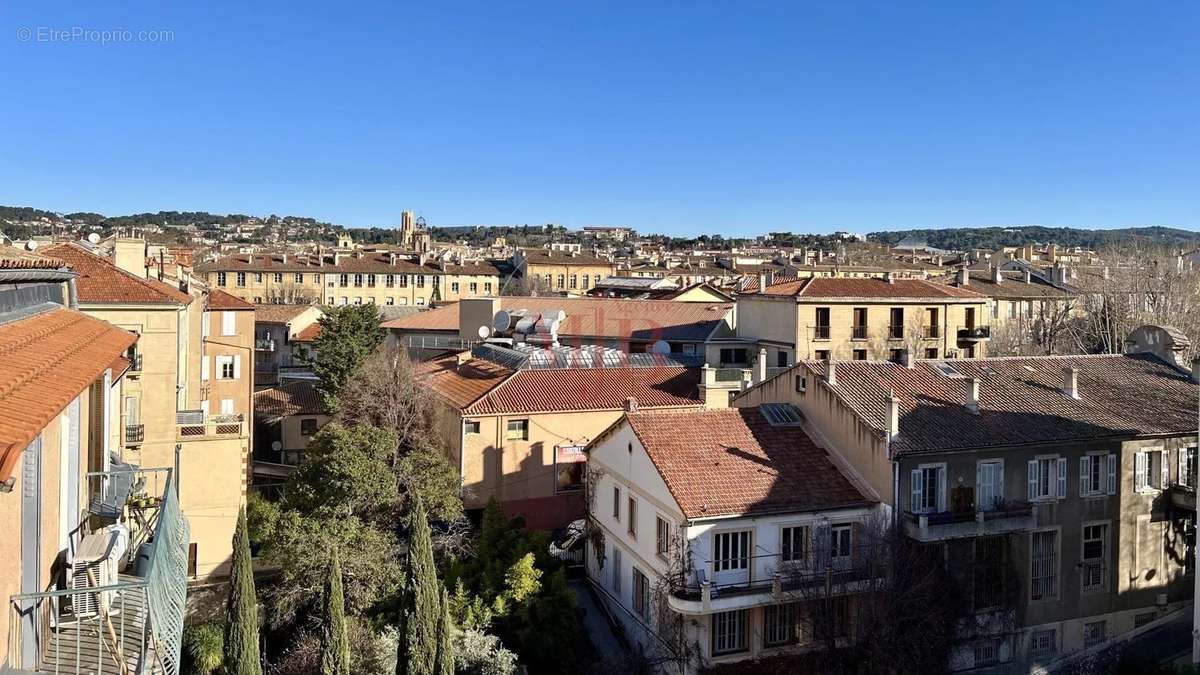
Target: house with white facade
{"points": [[709, 529]]}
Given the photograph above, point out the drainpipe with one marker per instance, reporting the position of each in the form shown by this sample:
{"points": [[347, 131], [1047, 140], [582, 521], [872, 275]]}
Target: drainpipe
{"points": [[72, 294]]}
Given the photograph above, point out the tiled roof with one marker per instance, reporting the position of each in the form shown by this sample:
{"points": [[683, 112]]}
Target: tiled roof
{"points": [[46, 360], [120, 366], [1021, 399], [856, 287], [541, 256], [484, 388], [297, 397], [732, 461], [13, 258], [218, 299], [647, 320], [101, 281], [278, 313], [309, 334], [1013, 285]]}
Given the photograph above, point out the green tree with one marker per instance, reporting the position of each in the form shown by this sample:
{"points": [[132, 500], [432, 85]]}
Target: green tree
{"points": [[349, 334], [422, 607], [335, 647], [241, 611], [445, 651], [550, 627]]}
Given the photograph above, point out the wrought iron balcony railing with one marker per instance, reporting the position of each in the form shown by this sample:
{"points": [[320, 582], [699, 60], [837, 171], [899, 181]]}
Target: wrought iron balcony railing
{"points": [[135, 433]]}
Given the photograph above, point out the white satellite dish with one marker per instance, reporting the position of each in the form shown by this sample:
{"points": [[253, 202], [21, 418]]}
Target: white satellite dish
{"points": [[94, 238], [502, 322], [484, 332], [660, 347], [30, 245]]}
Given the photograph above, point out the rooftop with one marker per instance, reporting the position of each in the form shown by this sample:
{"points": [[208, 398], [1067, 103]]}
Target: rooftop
{"points": [[218, 299], [376, 262], [278, 313], [100, 281], [734, 461], [868, 288], [13, 258], [297, 397], [541, 256]]}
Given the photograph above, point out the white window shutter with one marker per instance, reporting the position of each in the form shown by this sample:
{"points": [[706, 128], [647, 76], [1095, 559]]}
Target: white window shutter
{"points": [[1033, 479], [228, 323], [204, 360], [1112, 474], [941, 495], [237, 366], [204, 408], [1165, 463], [1085, 473], [1183, 478], [916, 490], [205, 324], [1139, 471], [1062, 476]]}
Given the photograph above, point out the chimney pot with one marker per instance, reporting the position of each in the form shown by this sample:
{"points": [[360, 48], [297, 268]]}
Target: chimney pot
{"points": [[997, 277], [1028, 276], [1071, 382], [760, 368], [973, 395]]}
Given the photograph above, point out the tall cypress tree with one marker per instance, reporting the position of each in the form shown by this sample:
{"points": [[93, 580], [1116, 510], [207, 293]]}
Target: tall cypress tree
{"points": [[445, 653], [241, 610], [335, 646], [417, 654]]}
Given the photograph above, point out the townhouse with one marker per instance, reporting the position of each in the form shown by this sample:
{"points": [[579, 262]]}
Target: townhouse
{"points": [[859, 318], [350, 277], [66, 498], [714, 535], [276, 345], [1019, 295], [562, 271], [186, 398], [285, 418], [1060, 490]]}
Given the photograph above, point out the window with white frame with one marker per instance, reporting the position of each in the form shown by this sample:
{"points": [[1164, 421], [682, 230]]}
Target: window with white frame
{"points": [[616, 503], [1150, 470], [1043, 642], [729, 632], [641, 594], [662, 536], [226, 368], [989, 485], [1043, 565], [731, 550], [793, 544], [227, 406], [1047, 478], [1187, 467], [781, 624], [228, 323], [840, 545], [1094, 573], [1097, 474], [928, 488]]}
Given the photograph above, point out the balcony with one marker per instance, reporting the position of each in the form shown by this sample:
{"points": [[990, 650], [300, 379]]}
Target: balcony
{"points": [[135, 434], [820, 332], [931, 332], [135, 363], [1183, 497], [974, 333], [858, 333], [264, 345], [122, 610], [193, 425], [940, 526], [896, 332]]}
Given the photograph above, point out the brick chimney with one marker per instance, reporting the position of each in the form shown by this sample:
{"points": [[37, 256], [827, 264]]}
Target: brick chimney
{"points": [[973, 395], [1070, 383], [631, 404]]}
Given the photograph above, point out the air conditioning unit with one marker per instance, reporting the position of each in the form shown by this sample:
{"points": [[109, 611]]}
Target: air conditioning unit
{"points": [[96, 563]]}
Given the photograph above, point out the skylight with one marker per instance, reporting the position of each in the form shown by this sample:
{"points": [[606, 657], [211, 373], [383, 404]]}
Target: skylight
{"points": [[781, 414]]}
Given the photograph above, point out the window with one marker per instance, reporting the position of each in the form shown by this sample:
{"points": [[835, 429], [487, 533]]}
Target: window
{"points": [[781, 625], [454, 287], [298, 278], [1094, 573], [574, 281], [226, 406], [331, 300], [1047, 478], [518, 430], [858, 330], [733, 355], [989, 485], [343, 280], [641, 594], [781, 359], [1150, 471], [793, 544], [616, 571], [596, 279], [258, 277], [562, 280], [1044, 565], [228, 323], [840, 548], [471, 426], [569, 462], [931, 353], [317, 279], [988, 571], [801, 384], [308, 426], [662, 536], [226, 369], [987, 652], [931, 322], [389, 280], [1093, 633], [631, 505], [1097, 475], [370, 281], [420, 281], [241, 279], [896, 355], [1187, 467], [257, 300], [402, 280], [822, 354], [487, 287], [860, 355], [472, 287], [729, 632], [616, 503], [928, 488], [896, 323], [279, 277], [358, 300], [1043, 642], [732, 551], [344, 300], [221, 278], [821, 329]]}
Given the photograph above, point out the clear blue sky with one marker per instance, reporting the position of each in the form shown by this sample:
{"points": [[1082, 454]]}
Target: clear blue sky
{"points": [[688, 117]]}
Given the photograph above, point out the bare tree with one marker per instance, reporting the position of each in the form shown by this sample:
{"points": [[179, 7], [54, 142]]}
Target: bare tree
{"points": [[293, 294], [385, 392]]}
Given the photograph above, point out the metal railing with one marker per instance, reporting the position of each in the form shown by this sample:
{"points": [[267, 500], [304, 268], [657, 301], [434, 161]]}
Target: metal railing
{"points": [[858, 333], [975, 333], [728, 374], [267, 345], [135, 433], [820, 332], [814, 571], [135, 363], [192, 424], [932, 332], [896, 332], [131, 626], [438, 342]]}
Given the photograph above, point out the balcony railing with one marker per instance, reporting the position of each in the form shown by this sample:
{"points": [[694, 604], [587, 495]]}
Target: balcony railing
{"points": [[974, 333], [820, 332], [932, 332], [1183, 497], [135, 363], [896, 332], [126, 620], [1009, 516], [858, 333], [729, 374], [262, 345], [192, 424], [135, 433]]}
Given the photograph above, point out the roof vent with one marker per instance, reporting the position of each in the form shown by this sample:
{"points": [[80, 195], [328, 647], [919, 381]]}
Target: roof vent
{"points": [[1071, 382]]}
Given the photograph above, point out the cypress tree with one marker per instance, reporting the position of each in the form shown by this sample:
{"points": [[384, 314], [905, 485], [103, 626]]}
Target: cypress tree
{"points": [[445, 653], [417, 654], [241, 610], [335, 647]]}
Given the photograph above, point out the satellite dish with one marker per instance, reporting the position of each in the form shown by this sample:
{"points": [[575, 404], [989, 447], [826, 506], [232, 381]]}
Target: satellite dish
{"points": [[30, 245], [502, 322], [94, 238], [484, 332], [660, 347], [276, 446]]}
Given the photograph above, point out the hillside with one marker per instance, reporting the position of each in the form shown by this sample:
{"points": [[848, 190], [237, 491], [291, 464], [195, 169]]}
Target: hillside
{"points": [[960, 238]]}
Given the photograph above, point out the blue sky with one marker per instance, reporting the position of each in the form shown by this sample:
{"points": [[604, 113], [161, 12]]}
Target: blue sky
{"points": [[688, 117]]}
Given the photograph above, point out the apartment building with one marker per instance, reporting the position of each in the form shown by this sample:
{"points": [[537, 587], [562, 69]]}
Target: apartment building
{"points": [[276, 345], [64, 490], [515, 421], [562, 271], [176, 393], [714, 534], [355, 277], [1061, 490], [860, 319], [1016, 295]]}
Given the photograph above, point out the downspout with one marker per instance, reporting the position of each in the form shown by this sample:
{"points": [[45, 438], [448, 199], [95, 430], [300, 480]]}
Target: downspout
{"points": [[72, 294]]}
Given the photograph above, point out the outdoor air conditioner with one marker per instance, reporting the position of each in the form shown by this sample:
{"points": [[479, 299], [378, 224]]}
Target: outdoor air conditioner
{"points": [[96, 563]]}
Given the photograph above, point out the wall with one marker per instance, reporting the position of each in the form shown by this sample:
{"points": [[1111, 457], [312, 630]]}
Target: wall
{"points": [[325, 287]]}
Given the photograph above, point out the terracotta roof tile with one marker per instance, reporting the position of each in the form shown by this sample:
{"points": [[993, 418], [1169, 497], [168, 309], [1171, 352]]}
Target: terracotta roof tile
{"points": [[857, 287], [309, 334], [101, 281], [278, 313], [369, 262], [46, 360], [541, 256], [461, 385], [732, 461], [218, 299], [291, 398], [13, 258]]}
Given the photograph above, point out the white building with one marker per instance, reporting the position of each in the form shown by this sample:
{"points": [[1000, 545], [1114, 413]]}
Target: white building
{"points": [[710, 530]]}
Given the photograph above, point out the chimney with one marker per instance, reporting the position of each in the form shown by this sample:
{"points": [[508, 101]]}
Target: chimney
{"points": [[1071, 382], [962, 277], [906, 358], [1028, 276], [760, 367], [285, 258], [631, 404], [831, 371], [889, 277], [893, 416], [768, 277], [1196, 370], [997, 277], [973, 395]]}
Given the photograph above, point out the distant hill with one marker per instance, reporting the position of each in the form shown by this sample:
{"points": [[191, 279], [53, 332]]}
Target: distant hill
{"points": [[961, 238]]}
